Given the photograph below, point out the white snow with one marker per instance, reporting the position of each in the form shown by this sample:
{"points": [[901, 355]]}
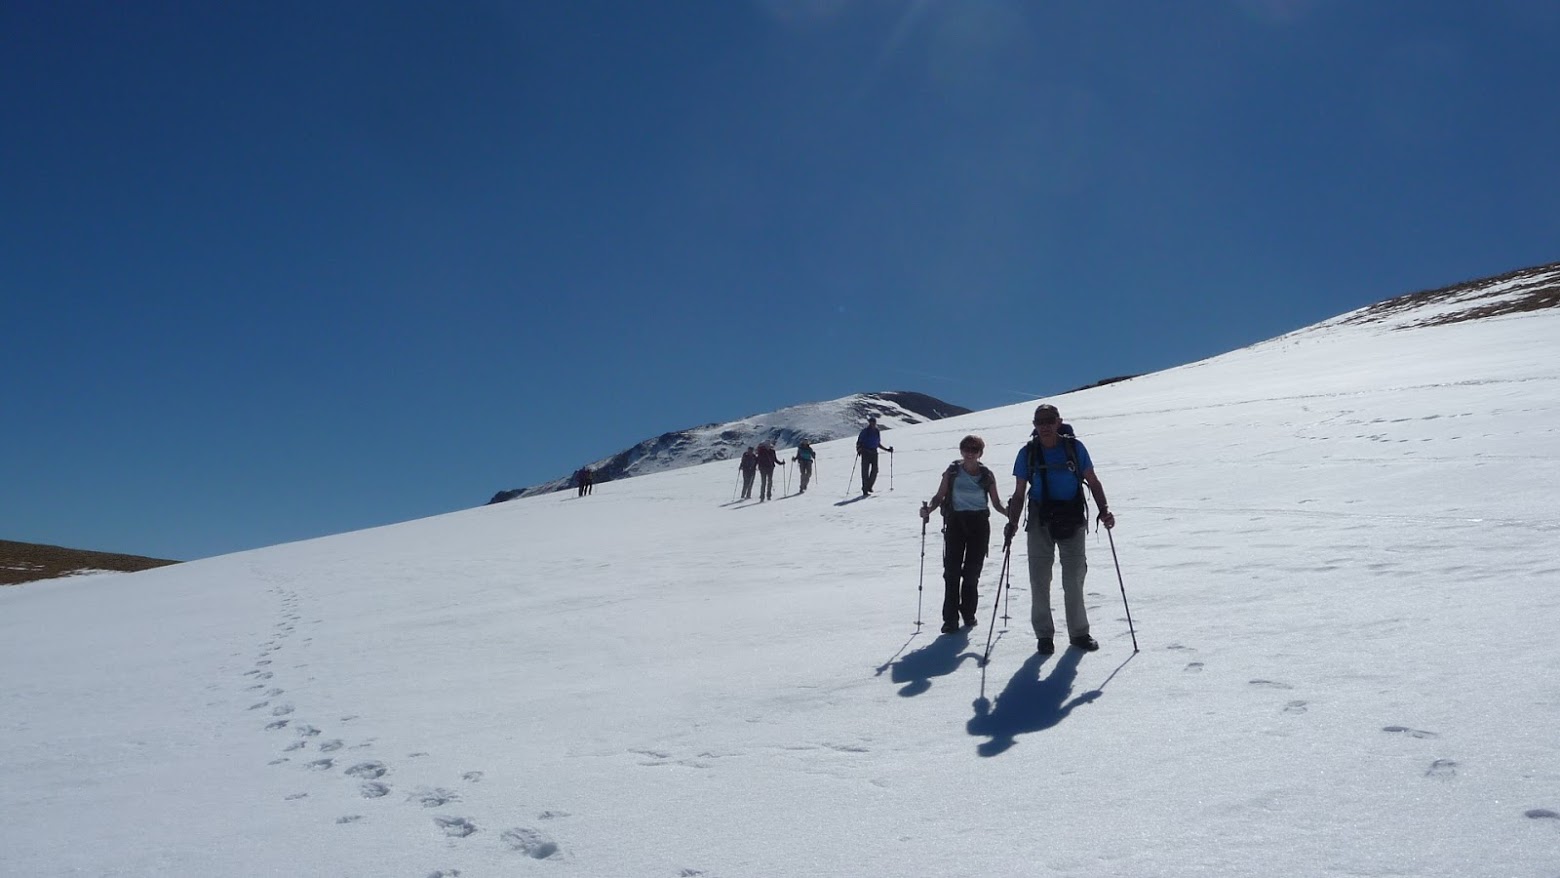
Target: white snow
{"points": [[1340, 552]]}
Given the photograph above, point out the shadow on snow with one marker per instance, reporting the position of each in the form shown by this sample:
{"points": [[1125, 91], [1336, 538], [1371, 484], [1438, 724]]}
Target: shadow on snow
{"points": [[1029, 703], [939, 658]]}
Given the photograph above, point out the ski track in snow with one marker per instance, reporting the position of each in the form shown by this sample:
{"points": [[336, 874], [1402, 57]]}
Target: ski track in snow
{"points": [[369, 774]]}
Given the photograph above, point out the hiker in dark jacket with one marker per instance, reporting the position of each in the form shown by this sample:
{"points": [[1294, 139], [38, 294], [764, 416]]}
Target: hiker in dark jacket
{"points": [[749, 466], [585, 479], [868, 441], [767, 460], [804, 462], [967, 485]]}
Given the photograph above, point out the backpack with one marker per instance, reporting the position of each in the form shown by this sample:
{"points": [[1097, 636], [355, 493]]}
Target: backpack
{"points": [[985, 478], [1061, 517]]}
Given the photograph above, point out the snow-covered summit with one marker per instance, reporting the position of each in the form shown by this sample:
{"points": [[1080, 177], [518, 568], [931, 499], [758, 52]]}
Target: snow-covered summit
{"points": [[815, 421]]}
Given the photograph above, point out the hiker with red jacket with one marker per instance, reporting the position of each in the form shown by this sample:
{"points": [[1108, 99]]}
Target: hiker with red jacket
{"points": [[767, 459]]}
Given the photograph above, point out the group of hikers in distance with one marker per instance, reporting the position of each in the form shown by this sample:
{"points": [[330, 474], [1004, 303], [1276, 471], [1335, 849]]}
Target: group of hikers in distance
{"points": [[761, 460]]}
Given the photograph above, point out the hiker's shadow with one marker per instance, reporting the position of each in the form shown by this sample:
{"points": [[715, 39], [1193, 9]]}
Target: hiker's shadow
{"points": [[1028, 703], [939, 658]]}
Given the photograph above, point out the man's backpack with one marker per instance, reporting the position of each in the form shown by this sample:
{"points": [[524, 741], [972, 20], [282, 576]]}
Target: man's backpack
{"points": [[1061, 517]]}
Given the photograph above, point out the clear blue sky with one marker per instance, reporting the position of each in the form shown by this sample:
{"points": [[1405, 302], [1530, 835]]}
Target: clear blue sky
{"points": [[275, 270]]}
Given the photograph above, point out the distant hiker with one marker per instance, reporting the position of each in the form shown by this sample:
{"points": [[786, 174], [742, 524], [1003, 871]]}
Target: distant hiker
{"points": [[584, 479], [804, 462], [749, 466], [767, 459], [1053, 468], [962, 496], [868, 441]]}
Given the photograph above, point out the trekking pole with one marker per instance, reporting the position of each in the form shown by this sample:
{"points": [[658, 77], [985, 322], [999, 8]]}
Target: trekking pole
{"points": [[1007, 554], [852, 476], [891, 469], [1006, 602], [735, 486], [921, 584], [787, 472], [1123, 588]]}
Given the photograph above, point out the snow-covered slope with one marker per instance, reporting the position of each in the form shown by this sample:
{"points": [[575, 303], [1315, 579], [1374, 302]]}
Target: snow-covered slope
{"points": [[814, 421], [1339, 549]]}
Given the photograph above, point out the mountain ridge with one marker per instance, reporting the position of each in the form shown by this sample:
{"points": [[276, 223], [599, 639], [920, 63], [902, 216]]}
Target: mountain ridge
{"points": [[725, 440]]}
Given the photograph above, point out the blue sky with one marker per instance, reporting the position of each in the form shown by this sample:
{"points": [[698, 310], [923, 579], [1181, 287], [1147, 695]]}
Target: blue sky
{"points": [[275, 270]]}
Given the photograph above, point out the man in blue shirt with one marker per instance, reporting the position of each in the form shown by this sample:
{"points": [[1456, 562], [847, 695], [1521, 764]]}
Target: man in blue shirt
{"points": [[868, 441], [1054, 484]]}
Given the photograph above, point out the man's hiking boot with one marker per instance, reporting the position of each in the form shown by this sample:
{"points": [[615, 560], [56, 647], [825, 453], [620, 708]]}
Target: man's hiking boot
{"points": [[1085, 643], [950, 627], [1047, 646], [971, 621]]}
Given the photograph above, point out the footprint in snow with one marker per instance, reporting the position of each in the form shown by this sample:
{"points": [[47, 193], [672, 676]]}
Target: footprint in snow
{"points": [[279, 724], [320, 765], [373, 790], [1444, 769], [1194, 667], [472, 777], [1295, 707], [331, 746], [1412, 733], [282, 710], [455, 827], [350, 818], [296, 796], [433, 798], [260, 705], [1271, 684], [368, 770], [307, 731], [530, 842], [445, 873], [296, 745]]}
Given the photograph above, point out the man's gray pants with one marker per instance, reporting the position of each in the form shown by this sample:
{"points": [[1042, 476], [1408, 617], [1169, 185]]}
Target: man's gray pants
{"points": [[1042, 555]]}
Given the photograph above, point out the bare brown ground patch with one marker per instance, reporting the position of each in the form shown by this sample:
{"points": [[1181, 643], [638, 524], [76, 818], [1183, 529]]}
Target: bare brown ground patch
{"points": [[30, 562]]}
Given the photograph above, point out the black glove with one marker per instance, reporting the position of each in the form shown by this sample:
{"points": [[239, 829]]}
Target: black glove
{"points": [[1010, 531]]}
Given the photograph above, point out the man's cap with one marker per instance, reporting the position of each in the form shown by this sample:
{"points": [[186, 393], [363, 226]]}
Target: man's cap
{"points": [[1047, 409]]}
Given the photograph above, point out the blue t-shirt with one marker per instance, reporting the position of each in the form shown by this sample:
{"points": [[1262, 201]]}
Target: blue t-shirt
{"points": [[869, 439], [1062, 481]]}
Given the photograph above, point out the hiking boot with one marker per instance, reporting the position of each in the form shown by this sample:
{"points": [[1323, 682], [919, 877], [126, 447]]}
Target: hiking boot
{"points": [[950, 627], [971, 621], [1085, 643], [1047, 646]]}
